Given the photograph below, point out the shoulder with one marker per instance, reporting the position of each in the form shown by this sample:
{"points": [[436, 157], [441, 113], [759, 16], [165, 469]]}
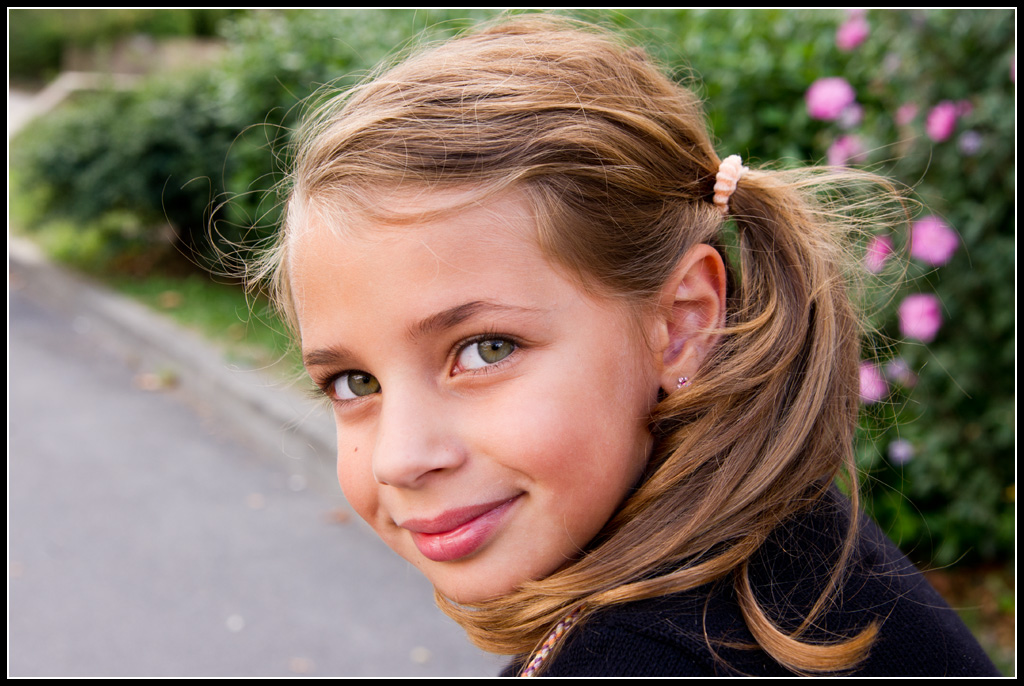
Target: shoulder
{"points": [[919, 634], [655, 637], [702, 632]]}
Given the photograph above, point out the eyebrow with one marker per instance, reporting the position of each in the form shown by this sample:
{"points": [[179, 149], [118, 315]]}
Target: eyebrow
{"points": [[439, 321], [453, 316], [325, 356]]}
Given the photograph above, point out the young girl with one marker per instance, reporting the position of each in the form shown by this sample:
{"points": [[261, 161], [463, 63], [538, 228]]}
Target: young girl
{"points": [[594, 381]]}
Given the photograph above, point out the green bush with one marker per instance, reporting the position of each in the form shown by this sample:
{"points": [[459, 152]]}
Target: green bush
{"points": [[156, 154], [938, 446], [38, 37]]}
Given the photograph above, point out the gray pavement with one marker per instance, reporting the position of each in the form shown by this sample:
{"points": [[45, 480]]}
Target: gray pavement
{"points": [[194, 529]]}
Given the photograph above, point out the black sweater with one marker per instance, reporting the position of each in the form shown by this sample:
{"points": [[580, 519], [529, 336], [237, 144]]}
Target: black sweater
{"points": [[919, 634]]}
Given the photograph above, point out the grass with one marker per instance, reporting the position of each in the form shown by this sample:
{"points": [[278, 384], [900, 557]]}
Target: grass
{"points": [[249, 333]]}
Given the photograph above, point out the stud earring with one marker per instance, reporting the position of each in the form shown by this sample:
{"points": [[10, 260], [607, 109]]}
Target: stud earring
{"points": [[683, 381]]}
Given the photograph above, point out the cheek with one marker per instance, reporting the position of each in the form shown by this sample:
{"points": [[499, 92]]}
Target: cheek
{"points": [[355, 476], [609, 423], [580, 444]]}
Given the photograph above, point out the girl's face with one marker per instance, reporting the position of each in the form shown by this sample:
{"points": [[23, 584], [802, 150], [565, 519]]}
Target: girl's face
{"points": [[491, 416]]}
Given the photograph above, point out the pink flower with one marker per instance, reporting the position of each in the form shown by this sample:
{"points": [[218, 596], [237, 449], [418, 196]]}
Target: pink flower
{"points": [[920, 317], [899, 372], [877, 253], [872, 385], [852, 32], [933, 241], [851, 116], [970, 143], [906, 113], [845, 149], [901, 451], [941, 121], [828, 97]]}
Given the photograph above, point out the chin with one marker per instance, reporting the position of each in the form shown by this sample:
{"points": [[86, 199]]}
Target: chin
{"points": [[473, 592], [465, 586]]}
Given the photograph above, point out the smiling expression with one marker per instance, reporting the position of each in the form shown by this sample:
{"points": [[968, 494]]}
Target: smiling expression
{"points": [[491, 416]]}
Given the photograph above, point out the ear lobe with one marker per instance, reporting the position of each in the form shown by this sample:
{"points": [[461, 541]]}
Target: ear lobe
{"points": [[692, 307]]}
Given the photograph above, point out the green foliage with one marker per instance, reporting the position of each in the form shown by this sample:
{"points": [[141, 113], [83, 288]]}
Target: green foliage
{"points": [[162, 153], [958, 415], [155, 154], [38, 37]]}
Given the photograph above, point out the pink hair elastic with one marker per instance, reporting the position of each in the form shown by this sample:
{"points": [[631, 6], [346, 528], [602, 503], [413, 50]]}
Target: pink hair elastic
{"points": [[730, 171]]}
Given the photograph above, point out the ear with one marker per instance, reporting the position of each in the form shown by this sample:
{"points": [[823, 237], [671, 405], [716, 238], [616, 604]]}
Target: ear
{"points": [[692, 303]]}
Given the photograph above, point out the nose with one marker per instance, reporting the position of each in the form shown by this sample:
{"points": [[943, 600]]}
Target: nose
{"points": [[416, 437]]}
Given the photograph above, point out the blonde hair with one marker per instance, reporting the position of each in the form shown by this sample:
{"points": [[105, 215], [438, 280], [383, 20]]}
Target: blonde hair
{"points": [[618, 161]]}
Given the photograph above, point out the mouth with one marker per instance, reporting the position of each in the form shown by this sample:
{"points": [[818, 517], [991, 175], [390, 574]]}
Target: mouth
{"points": [[460, 532]]}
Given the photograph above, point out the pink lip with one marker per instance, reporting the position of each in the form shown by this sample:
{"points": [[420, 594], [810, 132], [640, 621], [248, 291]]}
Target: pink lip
{"points": [[457, 533]]}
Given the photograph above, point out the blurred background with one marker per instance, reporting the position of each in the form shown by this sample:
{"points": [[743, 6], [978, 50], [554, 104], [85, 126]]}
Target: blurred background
{"points": [[140, 130]]}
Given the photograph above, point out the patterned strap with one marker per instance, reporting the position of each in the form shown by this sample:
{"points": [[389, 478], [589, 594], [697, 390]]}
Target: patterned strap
{"points": [[550, 642]]}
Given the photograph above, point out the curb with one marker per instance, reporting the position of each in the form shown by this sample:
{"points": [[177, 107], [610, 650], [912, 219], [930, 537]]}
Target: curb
{"points": [[273, 418]]}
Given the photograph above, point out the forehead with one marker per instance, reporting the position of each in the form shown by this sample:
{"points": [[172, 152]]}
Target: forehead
{"points": [[409, 213], [446, 247]]}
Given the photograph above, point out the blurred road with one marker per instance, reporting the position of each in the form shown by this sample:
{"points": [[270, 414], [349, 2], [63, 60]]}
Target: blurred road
{"points": [[145, 538]]}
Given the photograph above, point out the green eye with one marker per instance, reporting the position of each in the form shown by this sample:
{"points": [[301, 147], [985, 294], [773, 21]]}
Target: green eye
{"points": [[484, 353], [494, 351], [355, 385]]}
